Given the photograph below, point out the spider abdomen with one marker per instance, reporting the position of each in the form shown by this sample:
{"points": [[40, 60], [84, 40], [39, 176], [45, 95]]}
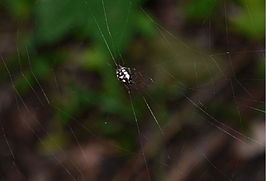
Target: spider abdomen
{"points": [[124, 75]]}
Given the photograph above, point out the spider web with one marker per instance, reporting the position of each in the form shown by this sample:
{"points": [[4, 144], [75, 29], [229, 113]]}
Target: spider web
{"points": [[194, 102]]}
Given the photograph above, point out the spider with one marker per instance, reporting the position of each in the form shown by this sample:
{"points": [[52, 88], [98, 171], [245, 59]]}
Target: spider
{"points": [[124, 75], [131, 79]]}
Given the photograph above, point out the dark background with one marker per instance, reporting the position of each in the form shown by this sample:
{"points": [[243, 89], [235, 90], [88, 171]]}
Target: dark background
{"points": [[199, 64]]}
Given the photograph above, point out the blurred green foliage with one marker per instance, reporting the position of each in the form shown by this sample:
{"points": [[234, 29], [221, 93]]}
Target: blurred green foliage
{"points": [[247, 19], [201, 9], [250, 21], [54, 21], [20, 9]]}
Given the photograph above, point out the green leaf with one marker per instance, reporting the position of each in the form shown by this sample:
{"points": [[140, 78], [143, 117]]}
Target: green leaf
{"points": [[54, 18], [23, 83], [78, 100], [250, 21], [144, 25], [94, 59], [110, 24], [19, 9], [200, 9]]}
